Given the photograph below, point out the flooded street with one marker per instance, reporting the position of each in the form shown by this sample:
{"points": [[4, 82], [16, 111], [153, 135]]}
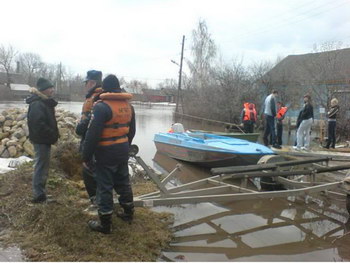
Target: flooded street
{"points": [[279, 229]]}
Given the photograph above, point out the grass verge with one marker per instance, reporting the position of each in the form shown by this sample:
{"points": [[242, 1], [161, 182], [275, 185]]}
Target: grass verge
{"points": [[58, 231]]}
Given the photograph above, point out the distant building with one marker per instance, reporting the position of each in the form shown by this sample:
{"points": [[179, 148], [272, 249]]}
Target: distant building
{"points": [[20, 91], [18, 88], [322, 75], [14, 78], [159, 95]]}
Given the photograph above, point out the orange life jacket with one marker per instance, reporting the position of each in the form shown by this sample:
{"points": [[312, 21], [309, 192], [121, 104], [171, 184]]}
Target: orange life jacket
{"points": [[249, 114], [116, 129], [89, 102], [281, 112]]}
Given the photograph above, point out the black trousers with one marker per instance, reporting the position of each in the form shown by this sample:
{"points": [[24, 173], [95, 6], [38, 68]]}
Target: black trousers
{"points": [[115, 177], [248, 126], [331, 134], [90, 183], [279, 133]]}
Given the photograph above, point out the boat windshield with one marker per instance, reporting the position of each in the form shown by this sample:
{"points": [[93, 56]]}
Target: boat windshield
{"points": [[198, 135]]}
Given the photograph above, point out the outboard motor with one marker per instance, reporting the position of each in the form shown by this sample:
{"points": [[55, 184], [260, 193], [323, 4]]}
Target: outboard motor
{"points": [[178, 127]]}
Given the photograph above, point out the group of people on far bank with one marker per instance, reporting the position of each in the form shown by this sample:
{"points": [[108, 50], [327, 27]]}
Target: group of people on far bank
{"points": [[107, 128], [274, 113]]}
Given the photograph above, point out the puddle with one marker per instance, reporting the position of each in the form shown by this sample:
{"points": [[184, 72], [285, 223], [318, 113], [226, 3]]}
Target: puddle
{"points": [[289, 229]]}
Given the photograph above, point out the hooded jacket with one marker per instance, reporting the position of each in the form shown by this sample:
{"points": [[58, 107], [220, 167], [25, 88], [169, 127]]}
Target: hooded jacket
{"points": [[41, 118]]}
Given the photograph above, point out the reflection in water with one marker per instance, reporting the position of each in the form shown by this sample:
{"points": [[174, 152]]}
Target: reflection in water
{"points": [[293, 229]]}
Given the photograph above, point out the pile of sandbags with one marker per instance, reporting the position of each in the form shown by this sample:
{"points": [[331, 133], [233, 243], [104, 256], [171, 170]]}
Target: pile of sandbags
{"points": [[14, 131]]}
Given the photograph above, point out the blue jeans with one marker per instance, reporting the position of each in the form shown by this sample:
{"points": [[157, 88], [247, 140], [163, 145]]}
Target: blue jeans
{"points": [[269, 129], [111, 177], [41, 168]]}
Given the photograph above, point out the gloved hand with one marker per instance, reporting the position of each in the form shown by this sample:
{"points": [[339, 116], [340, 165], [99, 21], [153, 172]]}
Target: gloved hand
{"points": [[90, 165]]}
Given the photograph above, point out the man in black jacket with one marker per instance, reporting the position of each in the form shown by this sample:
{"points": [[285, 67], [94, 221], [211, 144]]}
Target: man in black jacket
{"points": [[110, 133], [43, 132]]}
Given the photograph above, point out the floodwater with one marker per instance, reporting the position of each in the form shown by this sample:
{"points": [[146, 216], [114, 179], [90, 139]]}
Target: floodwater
{"points": [[150, 119], [280, 229]]}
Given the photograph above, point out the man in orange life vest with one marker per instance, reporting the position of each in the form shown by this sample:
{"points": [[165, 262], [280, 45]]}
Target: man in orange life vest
{"points": [[93, 83], [248, 117], [111, 131], [281, 113]]}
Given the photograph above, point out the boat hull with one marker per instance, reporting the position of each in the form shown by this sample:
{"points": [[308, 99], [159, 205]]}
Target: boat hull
{"points": [[208, 159]]}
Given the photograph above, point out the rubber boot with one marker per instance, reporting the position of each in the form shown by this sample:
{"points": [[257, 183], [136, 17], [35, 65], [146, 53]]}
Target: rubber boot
{"points": [[128, 213], [104, 226]]}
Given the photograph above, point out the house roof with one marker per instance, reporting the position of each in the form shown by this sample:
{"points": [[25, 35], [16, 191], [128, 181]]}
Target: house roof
{"points": [[15, 78], [153, 92], [160, 92], [20, 87], [329, 67], [170, 92]]}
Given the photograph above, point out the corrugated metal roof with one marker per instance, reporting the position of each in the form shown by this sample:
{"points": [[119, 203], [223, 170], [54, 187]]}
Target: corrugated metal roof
{"points": [[20, 87]]}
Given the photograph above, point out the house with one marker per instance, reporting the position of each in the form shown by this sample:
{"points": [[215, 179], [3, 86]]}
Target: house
{"points": [[18, 88], [321, 75], [20, 91], [14, 78], [171, 94], [159, 95], [135, 96]]}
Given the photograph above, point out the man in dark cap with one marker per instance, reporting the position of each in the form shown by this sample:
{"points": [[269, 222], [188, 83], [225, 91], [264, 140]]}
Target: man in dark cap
{"points": [[93, 88], [110, 133], [43, 132]]}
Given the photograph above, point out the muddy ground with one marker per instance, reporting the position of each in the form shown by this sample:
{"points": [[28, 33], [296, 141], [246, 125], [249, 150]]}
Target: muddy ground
{"points": [[58, 231]]}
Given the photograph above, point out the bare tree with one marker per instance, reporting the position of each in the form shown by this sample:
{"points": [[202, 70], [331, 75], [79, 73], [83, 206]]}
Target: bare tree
{"points": [[259, 73], [30, 64], [167, 84], [7, 55], [48, 71], [135, 86], [204, 54], [232, 87]]}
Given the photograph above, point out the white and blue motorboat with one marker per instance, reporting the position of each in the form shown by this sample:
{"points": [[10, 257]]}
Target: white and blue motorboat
{"points": [[210, 150]]}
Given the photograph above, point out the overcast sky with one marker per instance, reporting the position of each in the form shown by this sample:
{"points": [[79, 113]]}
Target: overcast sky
{"points": [[138, 38]]}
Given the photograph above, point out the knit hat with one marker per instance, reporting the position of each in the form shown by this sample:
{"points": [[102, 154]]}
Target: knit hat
{"points": [[43, 84], [110, 83], [94, 75]]}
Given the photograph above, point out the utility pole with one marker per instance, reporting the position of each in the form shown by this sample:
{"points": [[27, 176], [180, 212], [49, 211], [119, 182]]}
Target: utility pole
{"points": [[180, 76], [60, 77]]}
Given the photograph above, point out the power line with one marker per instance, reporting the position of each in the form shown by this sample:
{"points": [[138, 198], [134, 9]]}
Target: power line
{"points": [[145, 78], [273, 22], [290, 20]]}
